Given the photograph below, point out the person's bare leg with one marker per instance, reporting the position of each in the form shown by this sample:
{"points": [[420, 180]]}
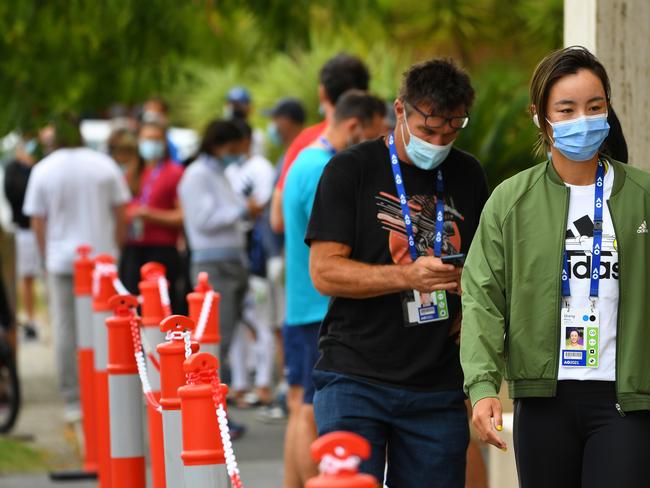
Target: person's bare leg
{"points": [[294, 404], [475, 474], [28, 297], [307, 434]]}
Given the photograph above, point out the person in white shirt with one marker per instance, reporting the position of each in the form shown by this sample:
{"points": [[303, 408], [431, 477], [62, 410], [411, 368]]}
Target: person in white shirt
{"points": [[74, 196], [213, 218], [254, 178]]}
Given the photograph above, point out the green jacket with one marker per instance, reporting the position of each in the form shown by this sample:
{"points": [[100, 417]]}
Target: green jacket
{"points": [[512, 290]]}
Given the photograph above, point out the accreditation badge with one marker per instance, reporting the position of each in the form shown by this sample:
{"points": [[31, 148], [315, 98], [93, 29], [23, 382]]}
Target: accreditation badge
{"points": [[580, 337], [425, 308]]}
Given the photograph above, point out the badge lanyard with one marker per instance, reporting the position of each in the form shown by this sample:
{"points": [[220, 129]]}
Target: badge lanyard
{"points": [[328, 145], [406, 212], [597, 240], [148, 187]]}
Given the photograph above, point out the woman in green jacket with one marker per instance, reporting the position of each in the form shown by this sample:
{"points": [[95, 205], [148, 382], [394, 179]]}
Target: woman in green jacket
{"points": [[563, 250]]}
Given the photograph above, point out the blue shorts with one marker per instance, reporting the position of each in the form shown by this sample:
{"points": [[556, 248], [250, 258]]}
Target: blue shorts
{"points": [[300, 356]]}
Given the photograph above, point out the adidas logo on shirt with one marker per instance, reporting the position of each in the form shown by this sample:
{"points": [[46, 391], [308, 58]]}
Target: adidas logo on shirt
{"points": [[643, 228]]}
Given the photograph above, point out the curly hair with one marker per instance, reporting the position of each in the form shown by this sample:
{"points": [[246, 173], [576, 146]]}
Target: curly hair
{"points": [[439, 84]]}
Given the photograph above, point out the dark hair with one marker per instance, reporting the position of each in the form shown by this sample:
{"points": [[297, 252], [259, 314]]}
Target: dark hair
{"points": [[67, 132], [243, 126], [360, 105], [342, 73], [615, 145], [557, 65], [439, 84], [122, 139], [218, 133]]}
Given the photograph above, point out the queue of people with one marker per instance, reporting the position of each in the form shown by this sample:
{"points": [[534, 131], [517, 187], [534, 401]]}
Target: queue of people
{"points": [[404, 293]]}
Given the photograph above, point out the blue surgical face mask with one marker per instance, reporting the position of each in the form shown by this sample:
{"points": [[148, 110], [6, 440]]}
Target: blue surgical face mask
{"points": [[423, 154], [228, 159], [274, 134], [579, 139], [30, 146], [151, 150]]}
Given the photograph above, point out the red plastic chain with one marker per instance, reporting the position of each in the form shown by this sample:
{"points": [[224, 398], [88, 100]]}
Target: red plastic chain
{"points": [[142, 365], [209, 376]]}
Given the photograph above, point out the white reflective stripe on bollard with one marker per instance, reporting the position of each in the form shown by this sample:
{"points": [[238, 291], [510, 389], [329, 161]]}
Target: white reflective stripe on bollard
{"points": [[151, 337], [210, 476], [126, 416], [83, 308], [173, 435], [100, 339]]}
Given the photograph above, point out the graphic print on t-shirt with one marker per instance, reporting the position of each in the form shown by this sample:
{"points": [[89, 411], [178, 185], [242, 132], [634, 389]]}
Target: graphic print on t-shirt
{"points": [[423, 213], [579, 241]]}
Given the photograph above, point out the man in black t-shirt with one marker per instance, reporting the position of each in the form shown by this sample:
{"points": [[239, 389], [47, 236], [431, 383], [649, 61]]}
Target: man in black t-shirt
{"points": [[28, 262], [384, 214]]}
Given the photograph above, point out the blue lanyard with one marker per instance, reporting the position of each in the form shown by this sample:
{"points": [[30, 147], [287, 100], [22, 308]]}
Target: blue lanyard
{"points": [[145, 195], [597, 245], [328, 145], [406, 212]]}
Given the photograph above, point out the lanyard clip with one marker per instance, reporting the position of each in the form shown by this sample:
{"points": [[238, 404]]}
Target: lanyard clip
{"points": [[592, 300]]}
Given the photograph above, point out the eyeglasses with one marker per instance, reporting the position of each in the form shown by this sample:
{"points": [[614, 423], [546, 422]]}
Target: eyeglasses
{"points": [[434, 121]]}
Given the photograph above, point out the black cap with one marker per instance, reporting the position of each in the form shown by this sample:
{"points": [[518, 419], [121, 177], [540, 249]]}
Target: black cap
{"points": [[288, 107]]}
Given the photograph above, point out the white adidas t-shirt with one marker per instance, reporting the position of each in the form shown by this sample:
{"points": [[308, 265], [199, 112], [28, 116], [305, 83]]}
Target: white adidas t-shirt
{"points": [[76, 190], [579, 239]]}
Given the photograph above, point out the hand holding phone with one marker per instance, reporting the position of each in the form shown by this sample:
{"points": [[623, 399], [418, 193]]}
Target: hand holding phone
{"points": [[457, 260]]}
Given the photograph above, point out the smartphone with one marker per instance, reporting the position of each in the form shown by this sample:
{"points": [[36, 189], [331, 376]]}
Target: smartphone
{"points": [[457, 260]]}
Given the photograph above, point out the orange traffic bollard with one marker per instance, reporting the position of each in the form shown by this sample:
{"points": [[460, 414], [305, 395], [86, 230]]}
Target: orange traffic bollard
{"points": [[340, 454], [203, 455], [83, 303], [172, 377], [125, 397], [103, 289], [153, 312], [203, 305]]}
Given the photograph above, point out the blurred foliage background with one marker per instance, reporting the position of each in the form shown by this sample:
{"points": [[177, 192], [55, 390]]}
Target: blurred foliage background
{"points": [[80, 56]]}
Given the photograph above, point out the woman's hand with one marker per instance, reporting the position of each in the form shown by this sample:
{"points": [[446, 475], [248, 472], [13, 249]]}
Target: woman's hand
{"points": [[487, 420]]}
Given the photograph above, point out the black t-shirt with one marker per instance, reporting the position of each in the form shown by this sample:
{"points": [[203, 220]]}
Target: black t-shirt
{"points": [[356, 205], [15, 186]]}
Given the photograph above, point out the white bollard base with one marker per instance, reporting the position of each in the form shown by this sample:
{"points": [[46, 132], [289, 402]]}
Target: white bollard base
{"points": [[210, 476], [173, 435]]}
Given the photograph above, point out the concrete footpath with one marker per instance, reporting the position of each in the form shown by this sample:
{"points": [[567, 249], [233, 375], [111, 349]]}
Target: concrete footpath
{"points": [[259, 451]]}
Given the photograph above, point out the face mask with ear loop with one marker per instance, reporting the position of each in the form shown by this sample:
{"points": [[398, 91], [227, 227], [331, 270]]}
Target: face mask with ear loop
{"points": [[423, 154], [579, 139]]}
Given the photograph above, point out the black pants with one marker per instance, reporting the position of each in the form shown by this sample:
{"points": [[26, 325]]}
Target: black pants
{"points": [[134, 257], [579, 440]]}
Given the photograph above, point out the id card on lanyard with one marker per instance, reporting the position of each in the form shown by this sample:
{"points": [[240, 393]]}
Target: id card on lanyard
{"points": [[580, 336], [425, 307], [136, 229]]}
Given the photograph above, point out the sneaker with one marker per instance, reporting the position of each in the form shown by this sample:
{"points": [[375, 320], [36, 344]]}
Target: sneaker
{"points": [[237, 430], [30, 331], [271, 414], [72, 413]]}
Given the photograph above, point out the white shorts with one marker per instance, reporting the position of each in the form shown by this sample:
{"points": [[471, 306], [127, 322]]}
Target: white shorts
{"points": [[28, 259]]}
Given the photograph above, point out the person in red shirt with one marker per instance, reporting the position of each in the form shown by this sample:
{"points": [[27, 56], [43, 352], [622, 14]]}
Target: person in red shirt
{"points": [[338, 75], [154, 215]]}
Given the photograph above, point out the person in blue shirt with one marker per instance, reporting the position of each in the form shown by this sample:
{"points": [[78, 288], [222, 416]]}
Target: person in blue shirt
{"points": [[358, 117]]}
